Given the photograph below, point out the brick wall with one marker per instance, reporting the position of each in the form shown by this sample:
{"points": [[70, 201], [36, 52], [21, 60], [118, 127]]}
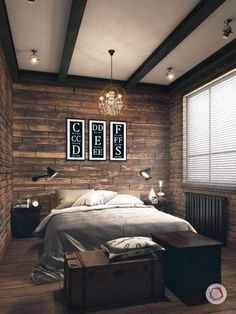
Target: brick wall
{"points": [[5, 154], [39, 140], [177, 192]]}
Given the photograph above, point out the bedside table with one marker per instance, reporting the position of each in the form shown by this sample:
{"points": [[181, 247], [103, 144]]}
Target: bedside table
{"points": [[147, 202], [24, 220], [163, 204]]}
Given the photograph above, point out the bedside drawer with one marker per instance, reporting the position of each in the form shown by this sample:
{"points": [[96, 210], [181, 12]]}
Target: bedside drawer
{"points": [[24, 221]]}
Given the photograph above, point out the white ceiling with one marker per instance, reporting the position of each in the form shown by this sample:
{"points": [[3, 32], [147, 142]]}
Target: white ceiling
{"points": [[134, 28], [41, 26]]}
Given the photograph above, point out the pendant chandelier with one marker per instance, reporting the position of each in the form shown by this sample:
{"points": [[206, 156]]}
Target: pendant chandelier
{"points": [[112, 99]]}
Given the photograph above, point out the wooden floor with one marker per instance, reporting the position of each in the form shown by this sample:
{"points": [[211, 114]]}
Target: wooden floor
{"points": [[19, 295]]}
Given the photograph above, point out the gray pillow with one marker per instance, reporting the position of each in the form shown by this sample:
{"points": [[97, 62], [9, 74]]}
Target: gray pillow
{"points": [[128, 247]]}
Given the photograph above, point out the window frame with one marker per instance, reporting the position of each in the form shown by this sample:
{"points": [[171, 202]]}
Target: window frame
{"points": [[199, 185]]}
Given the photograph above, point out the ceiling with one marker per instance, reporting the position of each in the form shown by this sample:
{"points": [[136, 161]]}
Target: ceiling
{"points": [[72, 37]]}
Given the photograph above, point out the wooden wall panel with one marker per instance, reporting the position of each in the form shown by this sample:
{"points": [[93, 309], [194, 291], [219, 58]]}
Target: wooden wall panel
{"points": [[177, 191], [5, 154], [39, 140]]}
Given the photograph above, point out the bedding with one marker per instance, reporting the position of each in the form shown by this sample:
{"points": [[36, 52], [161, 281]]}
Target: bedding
{"points": [[98, 197], [67, 197], [129, 247], [124, 199], [88, 227]]}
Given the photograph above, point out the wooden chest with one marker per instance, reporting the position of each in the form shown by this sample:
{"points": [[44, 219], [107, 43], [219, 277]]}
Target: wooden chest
{"points": [[92, 281], [192, 263]]}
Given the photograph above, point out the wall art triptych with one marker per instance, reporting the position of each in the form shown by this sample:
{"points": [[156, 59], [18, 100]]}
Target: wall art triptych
{"points": [[97, 140]]}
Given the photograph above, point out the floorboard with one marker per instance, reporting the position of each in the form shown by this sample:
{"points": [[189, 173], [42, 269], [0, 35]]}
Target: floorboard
{"points": [[19, 296]]}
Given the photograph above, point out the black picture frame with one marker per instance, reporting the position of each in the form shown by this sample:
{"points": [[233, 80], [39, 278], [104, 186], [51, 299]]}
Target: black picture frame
{"points": [[118, 141], [97, 140], [75, 139]]}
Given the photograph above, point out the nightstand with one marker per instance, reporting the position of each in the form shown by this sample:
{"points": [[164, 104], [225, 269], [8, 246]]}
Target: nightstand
{"points": [[163, 204], [24, 220], [147, 202]]}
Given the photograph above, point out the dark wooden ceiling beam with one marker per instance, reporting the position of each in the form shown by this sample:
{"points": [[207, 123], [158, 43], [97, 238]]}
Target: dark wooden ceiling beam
{"points": [[36, 77], [7, 42], [219, 63], [186, 27], [75, 19]]}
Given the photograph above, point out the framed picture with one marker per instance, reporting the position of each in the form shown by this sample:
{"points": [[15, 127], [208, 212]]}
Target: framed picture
{"points": [[117, 140], [97, 140], [75, 139]]}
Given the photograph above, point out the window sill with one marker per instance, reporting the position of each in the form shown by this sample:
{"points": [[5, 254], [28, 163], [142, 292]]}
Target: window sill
{"points": [[187, 187]]}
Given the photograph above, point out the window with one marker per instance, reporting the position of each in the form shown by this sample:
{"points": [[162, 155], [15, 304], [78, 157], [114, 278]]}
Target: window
{"points": [[209, 146]]}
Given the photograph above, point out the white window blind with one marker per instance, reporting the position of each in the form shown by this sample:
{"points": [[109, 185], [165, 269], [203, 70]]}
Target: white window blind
{"points": [[209, 121]]}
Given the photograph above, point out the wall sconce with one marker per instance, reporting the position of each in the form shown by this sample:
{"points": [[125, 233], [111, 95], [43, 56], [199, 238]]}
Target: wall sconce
{"points": [[34, 59], [170, 74], [227, 30], [50, 173], [145, 173]]}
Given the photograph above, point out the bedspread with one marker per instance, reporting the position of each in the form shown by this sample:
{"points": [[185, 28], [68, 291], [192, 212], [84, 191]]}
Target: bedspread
{"points": [[86, 228]]}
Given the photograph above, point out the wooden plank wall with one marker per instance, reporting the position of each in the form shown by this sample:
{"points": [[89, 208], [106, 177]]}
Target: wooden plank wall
{"points": [[39, 140], [177, 192], [5, 153]]}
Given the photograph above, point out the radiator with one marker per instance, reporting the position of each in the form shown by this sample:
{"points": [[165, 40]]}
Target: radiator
{"points": [[207, 214]]}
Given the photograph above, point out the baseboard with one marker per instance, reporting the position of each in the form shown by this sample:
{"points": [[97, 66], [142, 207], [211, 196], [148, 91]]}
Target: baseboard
{"points": [[3, 251]]}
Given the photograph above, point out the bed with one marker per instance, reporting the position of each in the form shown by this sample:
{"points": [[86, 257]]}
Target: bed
{"points": [[90, 222]]}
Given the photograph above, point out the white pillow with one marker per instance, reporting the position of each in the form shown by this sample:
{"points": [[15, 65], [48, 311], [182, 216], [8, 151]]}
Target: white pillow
{"points": [[122, 248], [67, 197], [124, 199], [99, 197]]}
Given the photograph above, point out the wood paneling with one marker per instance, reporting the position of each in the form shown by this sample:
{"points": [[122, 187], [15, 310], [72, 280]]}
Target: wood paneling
{"points": [[177, 191], [19, 295], [39, 140], [5, 153]]}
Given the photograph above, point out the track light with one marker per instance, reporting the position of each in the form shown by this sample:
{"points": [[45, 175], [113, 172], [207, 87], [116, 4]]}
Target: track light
{"points": [[227, 30], [34, 59], [170, 75]]}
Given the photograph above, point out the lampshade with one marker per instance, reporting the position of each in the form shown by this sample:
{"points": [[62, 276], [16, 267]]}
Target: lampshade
{"points": [[50, 173], [146, 173]]}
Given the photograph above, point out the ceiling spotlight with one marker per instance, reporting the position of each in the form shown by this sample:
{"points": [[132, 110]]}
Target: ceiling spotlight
{"points": [[34, 59], [31, 1], [170, 75], [227, 30]]}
